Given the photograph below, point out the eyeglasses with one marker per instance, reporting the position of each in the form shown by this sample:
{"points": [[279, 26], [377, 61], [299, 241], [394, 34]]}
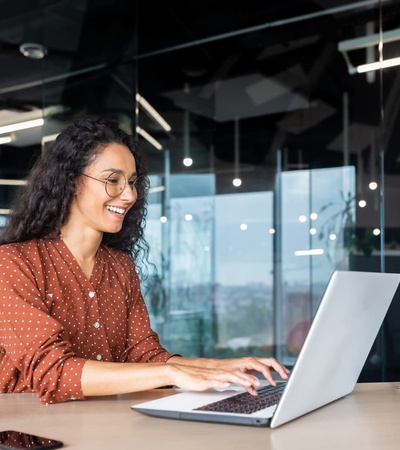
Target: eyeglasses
{"points": [[116, 183]]}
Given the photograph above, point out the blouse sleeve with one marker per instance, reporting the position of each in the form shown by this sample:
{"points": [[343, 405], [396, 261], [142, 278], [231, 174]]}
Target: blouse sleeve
{"points": [[32, 339], [143, 343]]}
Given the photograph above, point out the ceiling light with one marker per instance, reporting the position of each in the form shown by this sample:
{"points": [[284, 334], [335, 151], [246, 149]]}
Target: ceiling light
{"points": [[369, 41], [5, 182], [312, 252], [49, 138], [153, 113], [154, 190], [149, 138], [378, 65], [5, 140], [187, 162], [21, 126], [373, 185], [33, 50], [236, 180]]}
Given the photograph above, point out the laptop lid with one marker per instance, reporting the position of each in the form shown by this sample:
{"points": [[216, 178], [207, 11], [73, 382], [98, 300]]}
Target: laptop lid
{"points": [[338, 343], [342, 333]]}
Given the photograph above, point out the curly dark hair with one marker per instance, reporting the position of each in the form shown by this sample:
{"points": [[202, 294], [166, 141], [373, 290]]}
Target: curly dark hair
{"points": [[41, 207]]}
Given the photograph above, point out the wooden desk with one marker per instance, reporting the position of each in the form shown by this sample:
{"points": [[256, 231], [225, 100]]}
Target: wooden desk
{"points": [[367, 419]]}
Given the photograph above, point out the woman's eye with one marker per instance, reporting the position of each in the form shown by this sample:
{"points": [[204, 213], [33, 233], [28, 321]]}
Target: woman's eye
{"points": [[112, 180], [132, 183]]}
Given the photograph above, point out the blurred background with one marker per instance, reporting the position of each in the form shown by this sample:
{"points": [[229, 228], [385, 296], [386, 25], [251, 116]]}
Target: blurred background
{"points": [[271, 134]]}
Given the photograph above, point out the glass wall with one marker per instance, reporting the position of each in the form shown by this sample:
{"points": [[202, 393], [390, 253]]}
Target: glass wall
{"points": [[271, 105], [317, 221], [273, 161]]}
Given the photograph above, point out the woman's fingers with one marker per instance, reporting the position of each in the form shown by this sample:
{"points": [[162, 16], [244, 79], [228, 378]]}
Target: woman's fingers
{"points": [[261, 365], [198, 378], [270, 363]]}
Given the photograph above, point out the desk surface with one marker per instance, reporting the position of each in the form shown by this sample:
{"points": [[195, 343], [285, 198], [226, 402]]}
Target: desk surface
{"points": [[367, 419]]}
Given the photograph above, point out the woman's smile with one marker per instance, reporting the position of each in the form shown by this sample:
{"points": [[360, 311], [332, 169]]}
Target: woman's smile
{"points": [[117, 210]]}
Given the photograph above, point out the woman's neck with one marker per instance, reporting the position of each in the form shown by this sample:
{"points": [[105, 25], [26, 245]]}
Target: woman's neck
{"points": [[83, 246]]}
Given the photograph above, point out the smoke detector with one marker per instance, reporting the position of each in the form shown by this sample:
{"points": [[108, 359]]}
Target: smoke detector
{"points": [[33, 50]]}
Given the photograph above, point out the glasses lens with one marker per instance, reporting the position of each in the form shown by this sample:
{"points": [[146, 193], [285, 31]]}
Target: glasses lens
{"points": [[141, 186], [115, 184]]}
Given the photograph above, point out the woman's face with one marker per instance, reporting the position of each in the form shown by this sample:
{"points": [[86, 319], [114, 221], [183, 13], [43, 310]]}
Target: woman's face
{"points": [[92, 207]]}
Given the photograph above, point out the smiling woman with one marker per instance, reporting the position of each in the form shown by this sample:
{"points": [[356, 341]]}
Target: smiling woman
{"points": [[96, 209], [71, 309], [54, 179]]}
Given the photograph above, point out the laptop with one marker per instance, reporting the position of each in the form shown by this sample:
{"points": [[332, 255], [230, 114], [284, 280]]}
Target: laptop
{"points": [[330, 361]]}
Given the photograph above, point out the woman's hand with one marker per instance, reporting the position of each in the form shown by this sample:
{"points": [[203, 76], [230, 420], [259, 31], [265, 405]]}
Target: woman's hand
{"points": [[197, 378], [254, 364], [203, 373]]}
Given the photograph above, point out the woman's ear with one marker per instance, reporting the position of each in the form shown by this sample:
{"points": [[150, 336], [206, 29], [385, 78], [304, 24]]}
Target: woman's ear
{"points": [[79, 185]]}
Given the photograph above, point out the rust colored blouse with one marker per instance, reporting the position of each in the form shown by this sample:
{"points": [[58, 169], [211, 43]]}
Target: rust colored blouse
{"points": [[53, 318]]}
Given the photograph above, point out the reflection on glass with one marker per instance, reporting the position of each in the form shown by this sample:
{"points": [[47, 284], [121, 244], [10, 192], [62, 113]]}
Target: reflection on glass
{"points": [[310, 255], [221, 272]]}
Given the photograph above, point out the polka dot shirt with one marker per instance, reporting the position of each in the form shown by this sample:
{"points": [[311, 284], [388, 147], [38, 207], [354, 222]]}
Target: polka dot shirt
{"points": [[53, 318]]}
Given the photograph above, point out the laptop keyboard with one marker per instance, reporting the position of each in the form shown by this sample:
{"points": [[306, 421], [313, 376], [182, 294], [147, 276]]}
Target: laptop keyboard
{"points": [[245, 403]]}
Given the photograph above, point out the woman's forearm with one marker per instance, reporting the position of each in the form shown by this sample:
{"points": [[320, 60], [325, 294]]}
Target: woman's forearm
{"points": [[202, 362], [110, 378]]}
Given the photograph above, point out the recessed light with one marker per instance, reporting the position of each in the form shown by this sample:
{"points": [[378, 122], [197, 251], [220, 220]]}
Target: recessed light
{"points": [[33, 50]]}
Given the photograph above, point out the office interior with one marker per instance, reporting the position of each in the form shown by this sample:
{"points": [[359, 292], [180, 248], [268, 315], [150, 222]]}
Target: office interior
{"points": [[272, 147]]}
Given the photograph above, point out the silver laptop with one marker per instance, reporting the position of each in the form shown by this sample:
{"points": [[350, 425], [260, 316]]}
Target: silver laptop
{"points": [[340, 338]]}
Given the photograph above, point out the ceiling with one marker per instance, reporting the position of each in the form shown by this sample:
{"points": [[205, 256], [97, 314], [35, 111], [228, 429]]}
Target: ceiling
{"points": [[273, 66]]}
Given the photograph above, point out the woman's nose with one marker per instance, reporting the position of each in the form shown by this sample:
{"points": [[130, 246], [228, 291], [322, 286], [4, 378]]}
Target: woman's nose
{"points": [[128, 193]]}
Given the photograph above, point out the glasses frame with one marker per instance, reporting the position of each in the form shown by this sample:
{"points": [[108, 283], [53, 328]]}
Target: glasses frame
{"points": [[105, 182]]}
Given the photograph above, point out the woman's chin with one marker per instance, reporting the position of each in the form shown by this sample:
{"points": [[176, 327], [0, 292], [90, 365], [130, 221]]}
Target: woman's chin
{"points": [[114, 229]]}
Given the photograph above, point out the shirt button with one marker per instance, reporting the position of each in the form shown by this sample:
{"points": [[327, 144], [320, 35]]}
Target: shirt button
{"points": [[96, 325], [91, 294], [99, 357]]}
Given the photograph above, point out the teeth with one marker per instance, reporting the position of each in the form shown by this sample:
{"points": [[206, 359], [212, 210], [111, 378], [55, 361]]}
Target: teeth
{"points": [[117, 210]]}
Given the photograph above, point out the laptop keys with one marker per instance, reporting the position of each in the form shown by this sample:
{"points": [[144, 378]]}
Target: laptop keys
{"points": [[245, 403]]}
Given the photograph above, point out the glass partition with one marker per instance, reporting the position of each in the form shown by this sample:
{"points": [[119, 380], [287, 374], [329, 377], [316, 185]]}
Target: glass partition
{"points": [[317, 226], [284, 83], [179, 291], [243, 261], [272, 145]]}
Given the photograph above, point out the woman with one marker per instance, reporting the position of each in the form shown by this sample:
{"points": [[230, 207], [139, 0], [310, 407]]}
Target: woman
{"points": [[71, 310]]}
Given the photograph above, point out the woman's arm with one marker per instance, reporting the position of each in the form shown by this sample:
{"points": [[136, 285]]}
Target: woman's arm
{"points": [[108, 378], [198, 374]]}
